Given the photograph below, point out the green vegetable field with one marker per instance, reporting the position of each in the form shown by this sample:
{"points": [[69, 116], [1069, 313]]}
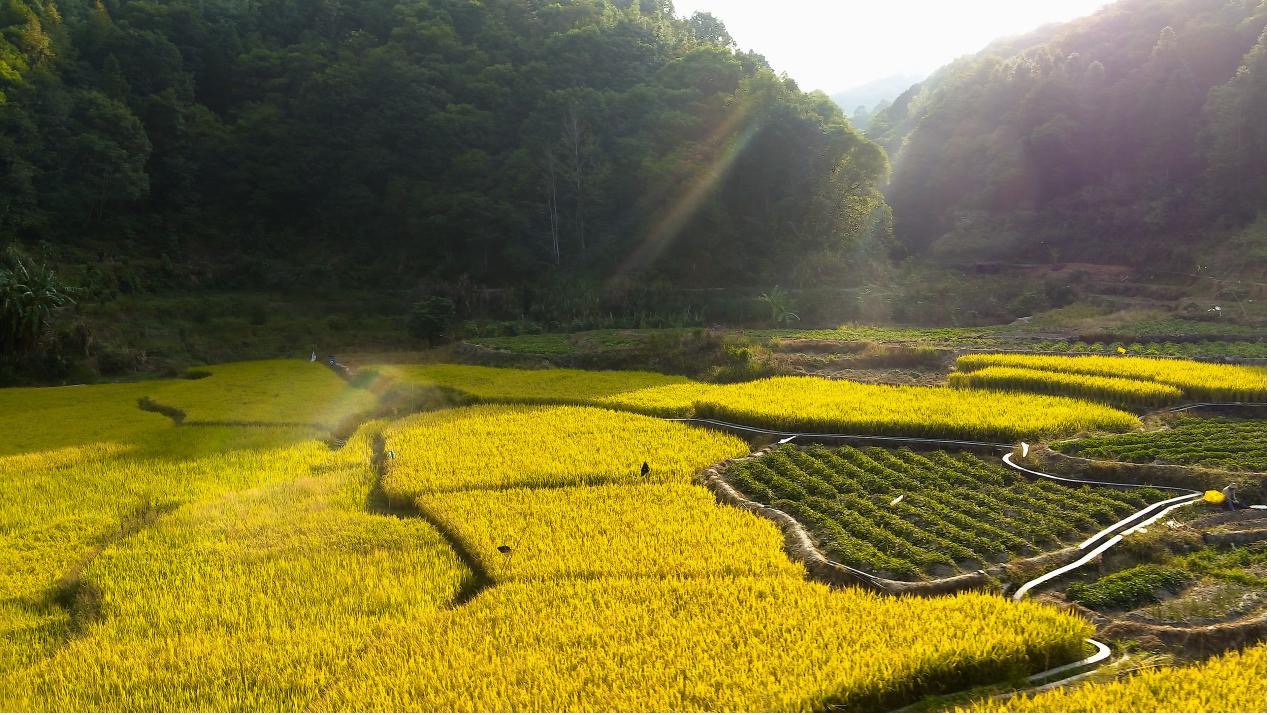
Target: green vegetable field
{"points": [[1211, 442], [919, 514]]}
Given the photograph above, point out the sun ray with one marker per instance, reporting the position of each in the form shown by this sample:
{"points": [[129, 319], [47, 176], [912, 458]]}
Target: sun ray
{"points": [[726, 143]]}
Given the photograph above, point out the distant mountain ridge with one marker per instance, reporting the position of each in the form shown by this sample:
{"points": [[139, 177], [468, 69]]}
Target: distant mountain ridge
{"points": [[870, 94]]}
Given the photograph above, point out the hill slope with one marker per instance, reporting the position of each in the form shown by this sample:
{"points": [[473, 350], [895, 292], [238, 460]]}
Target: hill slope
{"points": [[1136, 135]]}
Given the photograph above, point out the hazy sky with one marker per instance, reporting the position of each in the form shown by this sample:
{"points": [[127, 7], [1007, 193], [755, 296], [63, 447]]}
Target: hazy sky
{"points": [[834, 45]]}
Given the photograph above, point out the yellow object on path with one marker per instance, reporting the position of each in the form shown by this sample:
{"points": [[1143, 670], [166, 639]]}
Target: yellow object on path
{"points": [[1214, 497]]}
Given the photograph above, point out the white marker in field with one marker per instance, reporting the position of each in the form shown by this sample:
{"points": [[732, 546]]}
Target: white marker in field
{"points": [[896, 501], [1023, 449]]}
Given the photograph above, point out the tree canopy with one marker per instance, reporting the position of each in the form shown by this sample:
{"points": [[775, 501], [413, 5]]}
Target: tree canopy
{"points": [[426, 138]]}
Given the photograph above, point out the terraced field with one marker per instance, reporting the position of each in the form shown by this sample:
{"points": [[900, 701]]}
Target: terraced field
{"points": [[806, 404], [1197, 381], [497, 557], [809, 404], [1225, 443], [242, 564], [1112, 390], [914, 515]]}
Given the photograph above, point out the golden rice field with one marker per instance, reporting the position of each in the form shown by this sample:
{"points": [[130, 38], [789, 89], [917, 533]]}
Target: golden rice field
{"points": [[812, 404], [1232, 683], [1114, 390], [712, 643], [266, 391], [608, 531], [37, 419], [675, 400], [502, 447], [1197, 380], [224, 602], [279, 392], [237, 562], [58, 507]]}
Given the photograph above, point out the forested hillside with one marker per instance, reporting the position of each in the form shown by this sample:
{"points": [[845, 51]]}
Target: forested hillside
{"points": [[313, 142], [1136, 135]]}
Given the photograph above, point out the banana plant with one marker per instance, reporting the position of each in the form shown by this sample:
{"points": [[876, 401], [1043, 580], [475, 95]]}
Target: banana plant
{"points": [[30, 294], [781, 305]]}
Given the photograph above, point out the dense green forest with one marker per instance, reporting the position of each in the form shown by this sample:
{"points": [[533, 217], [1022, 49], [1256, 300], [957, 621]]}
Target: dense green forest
{"points": [[1136, 135], [289, 143]]}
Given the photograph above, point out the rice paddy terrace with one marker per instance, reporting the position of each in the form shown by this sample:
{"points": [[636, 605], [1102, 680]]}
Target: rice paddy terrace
{"points": [[273, 537]]}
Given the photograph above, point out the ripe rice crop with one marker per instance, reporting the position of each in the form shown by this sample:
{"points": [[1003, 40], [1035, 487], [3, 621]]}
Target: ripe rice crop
{"points": [[244, 587], [1113, 390], [693, 644], [249, 557], [1216, 442], [611, 530], [954, 511], [279, 392], [58, 506], [674, 400], [265, 391], [811, 404], [34, 419], [500, 447], [1235, 682], [1197, 380], [581, 645]]}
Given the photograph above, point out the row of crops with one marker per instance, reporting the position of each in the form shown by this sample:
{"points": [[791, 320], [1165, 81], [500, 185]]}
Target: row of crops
{"points": [[906, 514], [1225, 443]]}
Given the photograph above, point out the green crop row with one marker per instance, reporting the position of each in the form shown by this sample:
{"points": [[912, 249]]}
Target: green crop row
{"points": [[907, 514], [1218, 442]]}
